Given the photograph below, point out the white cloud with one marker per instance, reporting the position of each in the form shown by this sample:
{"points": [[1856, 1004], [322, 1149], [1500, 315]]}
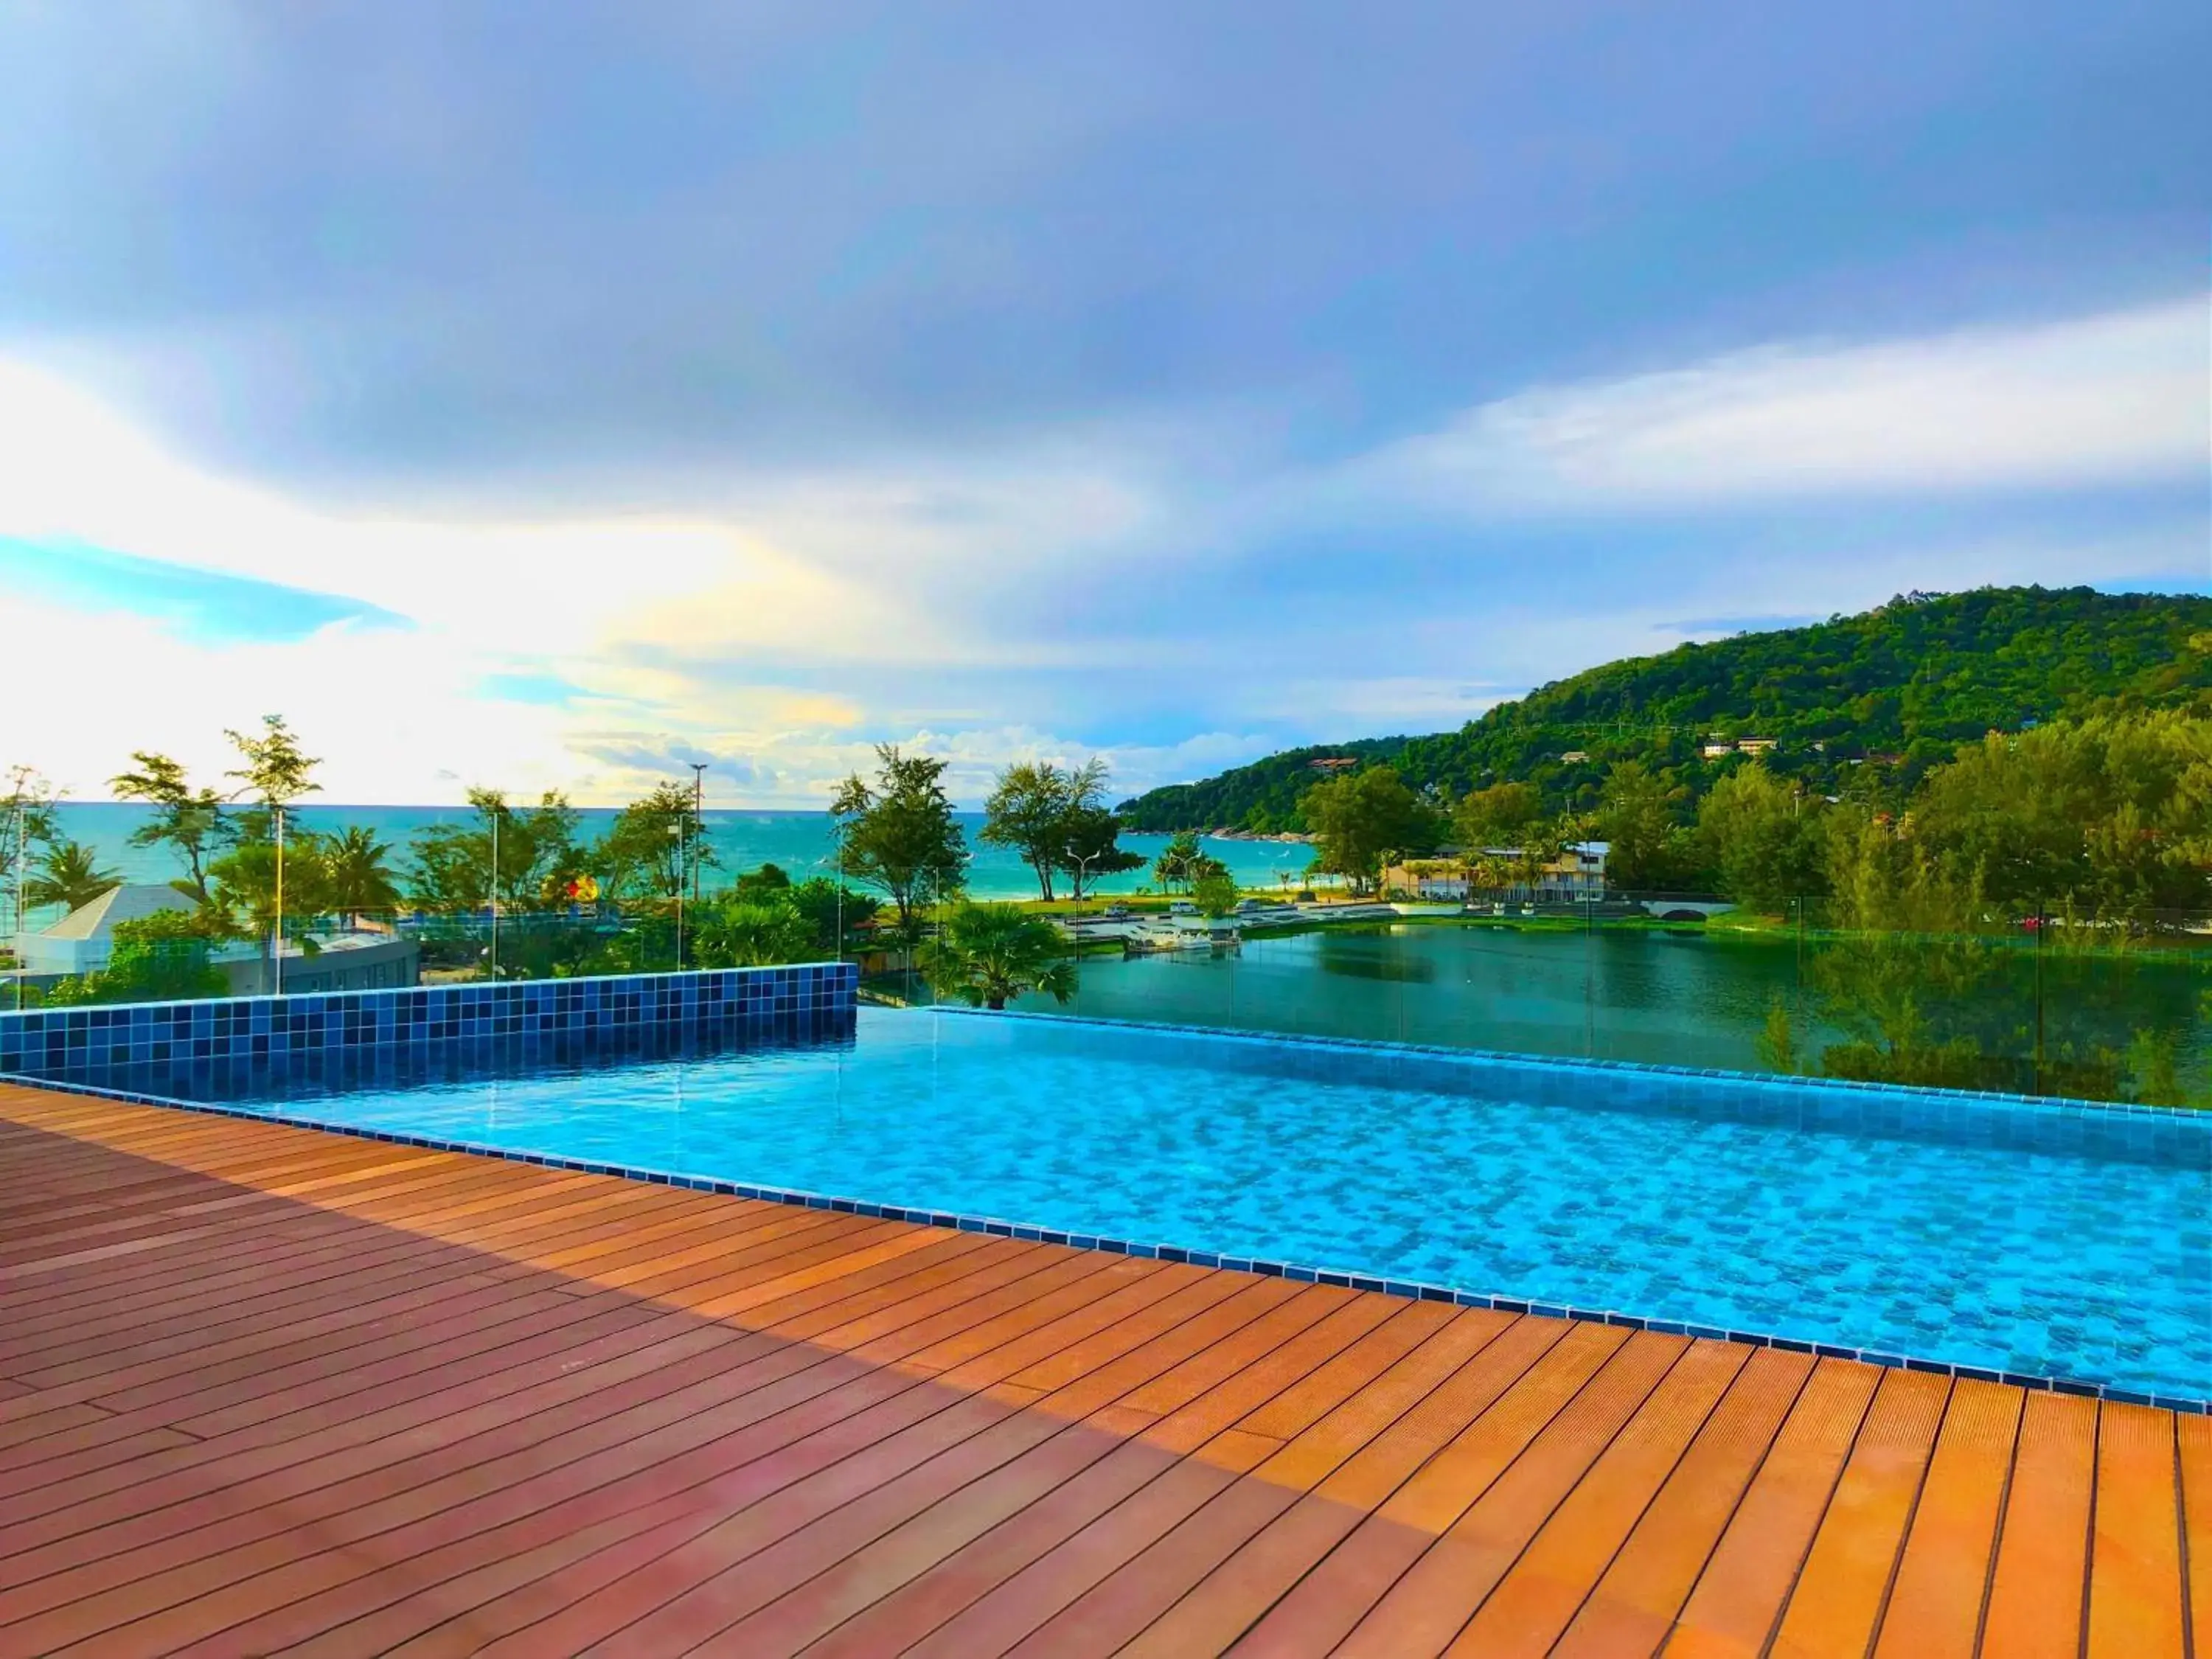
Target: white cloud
{"points": [[2117, 399]]}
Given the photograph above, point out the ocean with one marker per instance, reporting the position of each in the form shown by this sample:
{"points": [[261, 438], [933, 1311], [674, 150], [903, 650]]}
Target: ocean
{"points": [[800, 843]]}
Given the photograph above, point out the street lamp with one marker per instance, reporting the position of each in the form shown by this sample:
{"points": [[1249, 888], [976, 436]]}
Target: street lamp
{"points": [[278, 958], [698, 812], [16, 952], [676, 829]]}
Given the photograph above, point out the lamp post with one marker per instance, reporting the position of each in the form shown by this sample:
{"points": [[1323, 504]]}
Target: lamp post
{"points": [[22, 823], [494, 893], [676, 830], [698, 813], [277, 953]]}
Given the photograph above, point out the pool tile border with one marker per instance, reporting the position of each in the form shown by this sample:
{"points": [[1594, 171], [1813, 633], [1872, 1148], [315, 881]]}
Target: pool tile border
{"points": [[997, 1227], [66, 1043]]}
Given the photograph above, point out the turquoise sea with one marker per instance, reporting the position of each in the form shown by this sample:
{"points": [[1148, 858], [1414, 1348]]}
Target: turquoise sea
{"points": [[798, 842]]}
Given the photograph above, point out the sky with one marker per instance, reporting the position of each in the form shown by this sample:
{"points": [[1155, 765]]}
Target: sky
{"points": [[551, 397]]}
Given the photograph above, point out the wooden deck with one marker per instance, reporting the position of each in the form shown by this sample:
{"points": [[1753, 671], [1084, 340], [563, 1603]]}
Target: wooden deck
{"points": [[267, 1390]]}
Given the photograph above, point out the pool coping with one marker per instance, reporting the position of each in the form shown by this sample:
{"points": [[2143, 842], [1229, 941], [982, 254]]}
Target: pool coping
{"points": [[996, 1226]]}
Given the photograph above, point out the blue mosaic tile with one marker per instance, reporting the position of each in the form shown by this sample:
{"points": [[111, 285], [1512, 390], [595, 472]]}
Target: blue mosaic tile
{"points": [[74, 1043]]}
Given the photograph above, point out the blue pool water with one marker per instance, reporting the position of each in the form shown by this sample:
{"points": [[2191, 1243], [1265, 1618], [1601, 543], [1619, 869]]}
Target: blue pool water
{"points": [[1995, 1235]]}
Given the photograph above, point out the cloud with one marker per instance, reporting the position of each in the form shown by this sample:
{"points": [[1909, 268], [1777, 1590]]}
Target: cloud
{"points": [[198, 604], [2115, 398]]}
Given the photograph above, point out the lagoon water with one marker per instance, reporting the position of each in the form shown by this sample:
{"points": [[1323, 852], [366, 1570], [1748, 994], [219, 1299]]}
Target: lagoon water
{"points": [[1661, 998]]}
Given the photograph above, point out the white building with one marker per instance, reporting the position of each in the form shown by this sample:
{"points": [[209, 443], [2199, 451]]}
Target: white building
{"points": [[81, 941], [1577, 875]]}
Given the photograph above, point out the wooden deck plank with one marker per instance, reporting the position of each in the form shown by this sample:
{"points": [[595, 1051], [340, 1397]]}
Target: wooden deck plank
{"points": [[1632, 1605], [1109, 1577], [1332, 1599], [1840, 1590], [1438, 1594], [747, 1609], [1244, 1585], [558, 1493], [953, 1605], [2135, 1565], [1935, 1609], [557, 1533], [263, 1389], [1539, 1596], [2195, 1433], [1739, 1596], [746, 1384]]}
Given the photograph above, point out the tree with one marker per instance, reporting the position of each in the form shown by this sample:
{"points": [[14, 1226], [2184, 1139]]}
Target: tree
{"points": [[987, 955], [163, 958], [1637, 816], [1358, 816], [833, 913], [762, 883], [1027, 810], [1213, 887], [2114, 812], [654, 845], [68, 875], [537, 853], [1177, 863], [358, 879], [275, 773], [27, 820], [1495, 817], [1093, 849], [188, 819], [750, 932], [243, 890], [898, 833], [1763, 837]]}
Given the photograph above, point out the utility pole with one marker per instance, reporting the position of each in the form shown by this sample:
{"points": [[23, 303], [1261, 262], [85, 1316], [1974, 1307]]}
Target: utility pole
{"points": [[278, 956], [22, 823], [681, 848], [698, 814]]}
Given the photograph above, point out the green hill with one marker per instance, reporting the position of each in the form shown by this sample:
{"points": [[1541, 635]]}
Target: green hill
{"points": [[1897, 687]]}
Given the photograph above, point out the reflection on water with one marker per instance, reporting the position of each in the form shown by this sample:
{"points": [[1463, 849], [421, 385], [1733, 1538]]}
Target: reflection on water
{"points": [[2063, 1023]]}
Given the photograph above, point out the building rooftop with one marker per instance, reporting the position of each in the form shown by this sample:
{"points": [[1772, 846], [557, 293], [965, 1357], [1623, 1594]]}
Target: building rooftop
{"points": [[127, 903]]}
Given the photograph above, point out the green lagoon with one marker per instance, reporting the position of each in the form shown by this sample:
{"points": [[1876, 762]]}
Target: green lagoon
{"points": [[1685, 998]]}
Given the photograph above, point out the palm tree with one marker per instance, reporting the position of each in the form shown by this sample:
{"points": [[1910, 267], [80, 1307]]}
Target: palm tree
{"points": [[1176, 865], [67, 877], [751, 933], [356, 874], [989, 954]]}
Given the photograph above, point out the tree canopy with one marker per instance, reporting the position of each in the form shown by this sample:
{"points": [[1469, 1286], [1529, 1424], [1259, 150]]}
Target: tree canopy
{"points": [[987, 955], [897, 832], [1362, 820]]}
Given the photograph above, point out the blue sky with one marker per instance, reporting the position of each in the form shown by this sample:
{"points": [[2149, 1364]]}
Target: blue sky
{"points": [[551, 397]]}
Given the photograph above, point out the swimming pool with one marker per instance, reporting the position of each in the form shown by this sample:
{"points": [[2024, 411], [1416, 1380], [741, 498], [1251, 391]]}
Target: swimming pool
{"points": [[2039, 1241]]}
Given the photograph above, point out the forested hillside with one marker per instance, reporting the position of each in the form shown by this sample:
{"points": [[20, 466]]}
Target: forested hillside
{"points": [[1896, 690]]}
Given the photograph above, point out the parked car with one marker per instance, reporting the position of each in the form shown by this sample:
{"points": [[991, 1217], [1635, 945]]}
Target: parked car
{"points": [[1182, 908]]}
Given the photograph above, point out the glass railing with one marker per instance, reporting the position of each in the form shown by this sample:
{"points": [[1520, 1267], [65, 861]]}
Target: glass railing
{"points": [[2113, 1007]]}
